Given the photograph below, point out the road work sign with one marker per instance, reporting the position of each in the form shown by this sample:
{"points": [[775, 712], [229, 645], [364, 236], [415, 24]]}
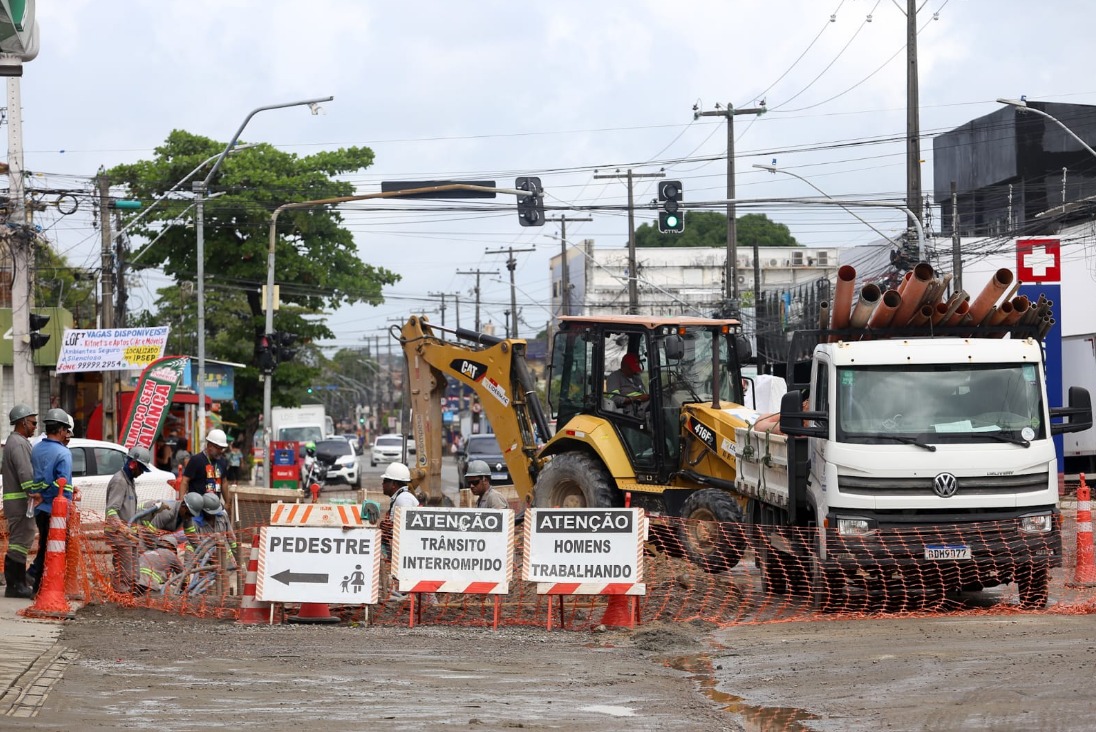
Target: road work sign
{"points": [[587, 548], [315, 564], [467, 550]]}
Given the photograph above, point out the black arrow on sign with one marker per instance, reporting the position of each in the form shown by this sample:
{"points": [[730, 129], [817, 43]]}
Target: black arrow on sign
{"points": [[287, 576]]}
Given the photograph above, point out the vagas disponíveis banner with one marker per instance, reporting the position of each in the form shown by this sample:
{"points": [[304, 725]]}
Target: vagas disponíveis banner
{"points": [[152, 400], [110, 349]]}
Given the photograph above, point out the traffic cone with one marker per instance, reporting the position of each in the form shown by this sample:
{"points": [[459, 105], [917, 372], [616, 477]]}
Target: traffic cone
{"points": [[73, 555], [313, 612], [252, 611], [1085, 573], [50, 602], [619, 612]]}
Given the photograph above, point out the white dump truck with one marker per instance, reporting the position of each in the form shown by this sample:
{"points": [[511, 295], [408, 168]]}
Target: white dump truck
{"points": [[910, 465]]}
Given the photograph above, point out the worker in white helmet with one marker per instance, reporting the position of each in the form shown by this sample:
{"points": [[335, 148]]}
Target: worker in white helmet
{"points": [[395, 483], [204, 472]]}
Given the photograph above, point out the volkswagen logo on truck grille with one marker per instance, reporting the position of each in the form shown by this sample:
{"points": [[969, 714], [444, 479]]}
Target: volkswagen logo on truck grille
{"points": [[945, 485]]}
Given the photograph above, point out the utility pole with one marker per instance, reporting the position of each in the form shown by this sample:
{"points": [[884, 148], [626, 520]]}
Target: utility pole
{"points": [[511, 264], [24, 383], [633, 286], [123, 295], [913, 124], [730, 289], [106, 311], [565, 279], [956, 255], [456, 304], [442, 296], [477, 273]]}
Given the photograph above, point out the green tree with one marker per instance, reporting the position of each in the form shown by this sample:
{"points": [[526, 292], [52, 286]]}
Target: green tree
{"points": [[318, 267], [57, 284], [709, 229]]}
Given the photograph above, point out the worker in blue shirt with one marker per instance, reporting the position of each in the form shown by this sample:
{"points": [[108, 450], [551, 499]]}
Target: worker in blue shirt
{"points": [[52, 463]]}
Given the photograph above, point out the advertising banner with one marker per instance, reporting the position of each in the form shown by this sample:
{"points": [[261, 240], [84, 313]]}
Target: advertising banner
{"points": [[152, 401], [110, 349]]}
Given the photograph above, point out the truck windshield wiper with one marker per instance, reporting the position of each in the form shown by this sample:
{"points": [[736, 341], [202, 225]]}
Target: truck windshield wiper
{"points": [[1000, 437], [908, 441]]}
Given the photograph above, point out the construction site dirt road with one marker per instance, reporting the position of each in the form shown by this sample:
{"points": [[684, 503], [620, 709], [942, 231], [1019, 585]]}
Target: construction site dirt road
{"points": [[142, 669]]}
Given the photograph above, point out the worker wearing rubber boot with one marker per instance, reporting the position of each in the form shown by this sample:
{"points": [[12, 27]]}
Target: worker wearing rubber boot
{"points": [[121, 508], [52, 463], [477, 478], [172, 516], [18, 476], [215, 521], [157, 566]]}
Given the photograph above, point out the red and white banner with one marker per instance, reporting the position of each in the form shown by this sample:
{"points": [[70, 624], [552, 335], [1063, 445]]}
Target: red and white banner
{"points": [[316, 514], [152, 401]]}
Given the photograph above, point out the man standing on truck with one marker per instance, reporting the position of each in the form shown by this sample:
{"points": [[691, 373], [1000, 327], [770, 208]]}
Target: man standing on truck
{"points": [[624, 386], [203, 472]]}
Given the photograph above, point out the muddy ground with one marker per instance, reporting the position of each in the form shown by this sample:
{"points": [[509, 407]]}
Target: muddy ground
{"points": [[142, 669]]}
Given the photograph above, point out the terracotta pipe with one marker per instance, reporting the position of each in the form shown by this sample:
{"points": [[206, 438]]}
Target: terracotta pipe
{"points": [[987, 318], [939, 312], [1004, 310], [953, 303], [913, 294], [884, 314], [842, 297], [960, 312], [990, 294], [1020, 307], [921, 318], [905, 280], [870, 295]]}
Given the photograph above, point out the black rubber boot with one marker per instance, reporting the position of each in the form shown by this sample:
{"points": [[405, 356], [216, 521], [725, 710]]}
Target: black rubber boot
{"points": [[16, 577]]}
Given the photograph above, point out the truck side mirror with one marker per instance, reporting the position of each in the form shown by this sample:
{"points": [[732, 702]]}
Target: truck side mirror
{"points": [[1079, 413], [792, 417], [674, 345]]}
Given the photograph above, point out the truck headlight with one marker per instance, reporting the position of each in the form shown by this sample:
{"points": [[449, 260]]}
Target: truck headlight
{"points": [[854, 527], [1039, 523]]}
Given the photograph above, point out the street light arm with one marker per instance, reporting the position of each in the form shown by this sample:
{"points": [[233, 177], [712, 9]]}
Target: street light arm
{"points": [[773, 169], [1024, 106], [232, 142]]}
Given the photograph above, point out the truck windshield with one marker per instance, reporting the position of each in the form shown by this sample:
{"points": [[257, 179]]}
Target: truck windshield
{"points": [[308, 433], [689, 378], [940, 403]]}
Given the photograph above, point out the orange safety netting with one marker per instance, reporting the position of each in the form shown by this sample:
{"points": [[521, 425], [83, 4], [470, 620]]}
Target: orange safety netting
{"points": [[722, 573]]}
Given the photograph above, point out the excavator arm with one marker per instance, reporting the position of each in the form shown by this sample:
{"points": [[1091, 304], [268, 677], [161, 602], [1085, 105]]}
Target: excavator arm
{"points": [[495, 368]]}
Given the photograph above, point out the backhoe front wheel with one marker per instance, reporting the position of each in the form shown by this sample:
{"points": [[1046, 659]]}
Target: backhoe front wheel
{"points": [[575, 480], [712, 530]]}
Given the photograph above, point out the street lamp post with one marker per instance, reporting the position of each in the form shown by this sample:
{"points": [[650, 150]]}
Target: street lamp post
{"points": [[200, 188], [773, 169], [1023, 106]]}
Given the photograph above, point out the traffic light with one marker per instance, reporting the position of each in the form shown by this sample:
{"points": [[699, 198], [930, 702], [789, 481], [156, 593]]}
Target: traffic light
{"points": [[671, 219], [531, 207], [266, 356], [37, 323], [283, 346], [123, 204]]}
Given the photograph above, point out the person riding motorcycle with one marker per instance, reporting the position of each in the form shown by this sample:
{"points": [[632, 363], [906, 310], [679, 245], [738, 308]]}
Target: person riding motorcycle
{"points": [[312, 470]]}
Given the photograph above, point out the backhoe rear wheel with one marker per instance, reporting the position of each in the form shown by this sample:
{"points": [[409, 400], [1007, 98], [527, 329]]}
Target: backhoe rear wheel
{"points": [[711, 531], [575, 480]]}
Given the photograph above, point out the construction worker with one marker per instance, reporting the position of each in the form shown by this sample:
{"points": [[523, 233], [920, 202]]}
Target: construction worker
{"points": [[157, 566], [18, 477], [52, 463], [394, 483], [204, 472], [121, 508], [173, 516], [477, 477], [624, 385], [215, 521]]}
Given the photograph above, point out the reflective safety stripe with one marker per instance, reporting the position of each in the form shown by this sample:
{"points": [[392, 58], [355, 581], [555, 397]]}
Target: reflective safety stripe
{"points": [[14, 496], [149, 572], [1084, 527], [55, 546], [27, 484], [18, 549]]}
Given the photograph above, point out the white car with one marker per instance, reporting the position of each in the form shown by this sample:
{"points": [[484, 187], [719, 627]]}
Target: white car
{"points": [[93, 464], [340, 457], [389, 449]]}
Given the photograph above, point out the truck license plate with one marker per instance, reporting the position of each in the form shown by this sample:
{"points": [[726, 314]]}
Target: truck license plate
{"points": [[947, 551]]}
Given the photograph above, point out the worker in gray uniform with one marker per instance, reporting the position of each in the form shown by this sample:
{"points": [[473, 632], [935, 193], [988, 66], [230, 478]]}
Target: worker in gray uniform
{"points": [[18, 476], [121, 508], [477, 477]]}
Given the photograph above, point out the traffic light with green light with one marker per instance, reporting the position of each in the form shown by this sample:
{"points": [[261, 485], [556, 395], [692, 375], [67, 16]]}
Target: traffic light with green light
{"points": [[671, 219]]}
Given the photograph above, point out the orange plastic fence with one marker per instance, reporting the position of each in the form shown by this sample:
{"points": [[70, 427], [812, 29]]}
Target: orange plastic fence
{"points": [[735, 573]]}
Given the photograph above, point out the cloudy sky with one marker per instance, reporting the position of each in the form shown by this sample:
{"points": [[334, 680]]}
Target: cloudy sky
{"points": [[561, 89]]}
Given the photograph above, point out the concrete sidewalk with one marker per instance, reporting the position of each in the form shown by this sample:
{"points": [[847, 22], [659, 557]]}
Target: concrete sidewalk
{"points": [[32, 661]]}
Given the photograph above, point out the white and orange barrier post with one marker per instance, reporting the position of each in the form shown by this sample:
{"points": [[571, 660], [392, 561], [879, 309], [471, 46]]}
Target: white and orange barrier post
{"points": [[252, 610], [1085, 573], [50, 602]]}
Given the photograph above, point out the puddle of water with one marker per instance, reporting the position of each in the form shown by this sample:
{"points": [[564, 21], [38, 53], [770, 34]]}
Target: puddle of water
{"points": [[611, 710], [785, 719]]}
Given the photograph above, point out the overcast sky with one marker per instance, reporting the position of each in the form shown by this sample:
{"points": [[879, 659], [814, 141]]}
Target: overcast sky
{"points": [[449, 89]]}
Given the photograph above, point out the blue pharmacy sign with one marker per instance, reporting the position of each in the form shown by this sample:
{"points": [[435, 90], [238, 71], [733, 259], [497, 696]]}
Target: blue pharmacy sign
{"points": [[1039, 269]]}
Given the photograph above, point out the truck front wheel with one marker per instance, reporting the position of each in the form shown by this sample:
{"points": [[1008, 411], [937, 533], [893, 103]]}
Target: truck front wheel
{"points": [[575, 480], [712, 530], [1033, 584]]}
